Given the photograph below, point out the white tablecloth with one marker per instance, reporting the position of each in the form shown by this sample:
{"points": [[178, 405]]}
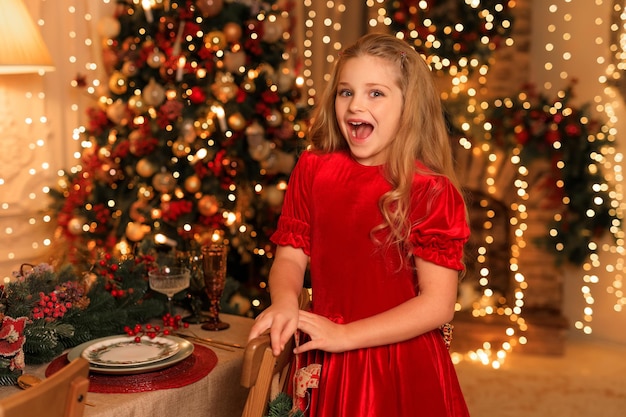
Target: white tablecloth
{"points": [[219, 394]]}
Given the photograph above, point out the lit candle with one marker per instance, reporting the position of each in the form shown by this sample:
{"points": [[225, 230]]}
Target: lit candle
{"points": [[221, 119], [181, 68], [199, 156], [147, 9], [179, 39], [161, 239]]}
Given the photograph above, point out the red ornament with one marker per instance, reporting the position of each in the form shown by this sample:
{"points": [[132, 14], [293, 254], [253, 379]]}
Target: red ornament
{"points": [[197, 95]]}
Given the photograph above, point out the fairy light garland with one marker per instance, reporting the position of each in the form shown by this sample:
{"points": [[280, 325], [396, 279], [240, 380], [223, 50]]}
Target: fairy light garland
{"points": [[614, 84], [33, 129], [605, 260]]}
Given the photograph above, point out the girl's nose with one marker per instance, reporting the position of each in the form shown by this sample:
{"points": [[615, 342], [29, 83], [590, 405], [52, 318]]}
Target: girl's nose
{"points": [[356, 103]]}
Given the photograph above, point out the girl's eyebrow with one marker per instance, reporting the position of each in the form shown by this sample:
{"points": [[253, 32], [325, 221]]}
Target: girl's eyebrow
{"points": [[368, 85]]}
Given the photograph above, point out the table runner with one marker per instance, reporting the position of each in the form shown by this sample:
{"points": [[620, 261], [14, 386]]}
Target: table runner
{"points": [[191, 369]]}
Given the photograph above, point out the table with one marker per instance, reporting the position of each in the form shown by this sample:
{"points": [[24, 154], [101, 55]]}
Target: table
{"points": [[219, 394]]}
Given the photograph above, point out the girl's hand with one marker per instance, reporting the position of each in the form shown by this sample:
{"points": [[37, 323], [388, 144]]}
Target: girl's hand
{"points": [[325, 335], [282, 320]]}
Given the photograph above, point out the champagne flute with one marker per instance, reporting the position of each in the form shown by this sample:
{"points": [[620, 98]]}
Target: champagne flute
{"points": [[214, 270], [169, 281]]}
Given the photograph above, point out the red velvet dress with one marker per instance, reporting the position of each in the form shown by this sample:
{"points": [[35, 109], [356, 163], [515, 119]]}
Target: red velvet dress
{"points": [[330, 207]]}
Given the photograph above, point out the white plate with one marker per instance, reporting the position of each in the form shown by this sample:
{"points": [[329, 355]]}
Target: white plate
{"points": [[125, 351], [185, 350]]}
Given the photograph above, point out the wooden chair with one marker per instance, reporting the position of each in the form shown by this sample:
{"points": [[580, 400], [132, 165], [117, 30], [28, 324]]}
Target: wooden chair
{"points": [[63, 394], [262, 371]]}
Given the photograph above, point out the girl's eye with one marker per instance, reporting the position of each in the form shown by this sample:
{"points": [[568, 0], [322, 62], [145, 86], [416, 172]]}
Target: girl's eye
{"points": [[344, 93], [376, 93]]}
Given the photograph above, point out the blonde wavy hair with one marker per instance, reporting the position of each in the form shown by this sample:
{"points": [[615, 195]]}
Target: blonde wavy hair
{"points": [[421, 135]]}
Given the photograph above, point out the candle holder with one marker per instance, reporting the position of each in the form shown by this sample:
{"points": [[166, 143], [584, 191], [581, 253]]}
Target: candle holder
{"points": [[214, 270]]}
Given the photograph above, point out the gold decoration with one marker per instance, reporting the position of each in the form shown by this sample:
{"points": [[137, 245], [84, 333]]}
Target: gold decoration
{"points": [[236, 121], [224, 89], [193, 184], [129, 68], [289, 110], [118, 84], [275, 118], [116, 112], [164, 182], [215, 40], [153, 94], [232, 32], [75, 225], [180, 148], [208, 205], [136, 104], [272, 31], [136, 231], [234, 60], [210, 8], [155, 59]]}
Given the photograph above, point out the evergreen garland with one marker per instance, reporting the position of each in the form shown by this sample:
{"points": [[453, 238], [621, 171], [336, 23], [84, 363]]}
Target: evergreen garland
{"points": [[282, 406], [66, 309]]}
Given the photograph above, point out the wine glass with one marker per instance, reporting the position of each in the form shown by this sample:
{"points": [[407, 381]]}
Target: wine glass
{"points": [[214, 270], [169, 280]]}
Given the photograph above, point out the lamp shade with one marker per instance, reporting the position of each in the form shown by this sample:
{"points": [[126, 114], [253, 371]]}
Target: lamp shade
{"points": [[22, 49]]}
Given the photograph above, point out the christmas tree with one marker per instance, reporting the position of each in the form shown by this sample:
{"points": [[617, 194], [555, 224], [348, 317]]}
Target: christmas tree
{"points": [[193, 135]]}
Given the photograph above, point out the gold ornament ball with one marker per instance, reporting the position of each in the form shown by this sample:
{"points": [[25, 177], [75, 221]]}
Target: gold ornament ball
{"points": [[180, 149], [75, 225], [248, 85], [118, 84], [153, 94], [289, 110], [193, 184], [134, 138], [116, 112], [129, 68], [164, 182], [301, 128], [224, 91], [155, 59], [136, 231], [145, 192], [136, 104], [210, 8], [236, 121], [272, 31], [232, 32], [145, 168], [275, 118], [215, 40], [234, 60], [208, 205]]}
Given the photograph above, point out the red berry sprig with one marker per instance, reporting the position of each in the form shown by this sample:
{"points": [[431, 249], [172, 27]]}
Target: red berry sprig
{"points": [[170, 323]]}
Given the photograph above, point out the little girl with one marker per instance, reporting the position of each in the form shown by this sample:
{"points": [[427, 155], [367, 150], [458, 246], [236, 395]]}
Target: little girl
{"points": [[374, 205]]}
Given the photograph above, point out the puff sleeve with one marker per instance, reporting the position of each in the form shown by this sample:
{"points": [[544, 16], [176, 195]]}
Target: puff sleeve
{"points": [[293, 228], [439, 235]]}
